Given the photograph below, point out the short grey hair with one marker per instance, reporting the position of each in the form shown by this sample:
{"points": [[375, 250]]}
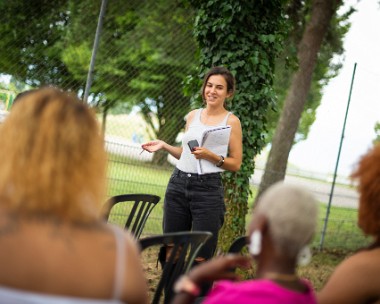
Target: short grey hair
{"points": [[292, 213]]}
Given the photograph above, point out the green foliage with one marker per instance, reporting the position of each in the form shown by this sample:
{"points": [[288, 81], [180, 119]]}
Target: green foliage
{"points": [[29, 47], [246, 37], [146, 51], [377, 132]]}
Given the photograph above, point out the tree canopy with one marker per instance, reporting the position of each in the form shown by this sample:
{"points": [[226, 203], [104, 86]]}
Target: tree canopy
{"points": [[146, 50], [328, 63], [30, 47]]}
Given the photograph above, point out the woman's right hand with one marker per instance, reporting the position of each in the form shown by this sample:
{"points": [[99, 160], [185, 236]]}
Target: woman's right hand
{"points": [[153, 146]]}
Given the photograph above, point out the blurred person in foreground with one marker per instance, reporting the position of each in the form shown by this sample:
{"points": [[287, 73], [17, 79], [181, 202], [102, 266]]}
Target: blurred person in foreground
{"points": [[283, 224], [55, 247], [357, 278]]}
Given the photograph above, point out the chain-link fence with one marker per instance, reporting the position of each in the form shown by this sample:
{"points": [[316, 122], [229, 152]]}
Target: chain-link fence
{"points": [[145, 54]]}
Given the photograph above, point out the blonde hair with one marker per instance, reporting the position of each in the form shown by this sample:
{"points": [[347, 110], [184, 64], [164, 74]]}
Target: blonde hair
{"points": [[292, 213], [52, 158]]}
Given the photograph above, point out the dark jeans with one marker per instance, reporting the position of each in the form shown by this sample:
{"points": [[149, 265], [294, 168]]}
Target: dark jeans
{"points": [[195, 202]]}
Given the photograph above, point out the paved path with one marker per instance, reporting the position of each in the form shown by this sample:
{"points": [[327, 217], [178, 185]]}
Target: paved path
{"points": [[343, 195]]}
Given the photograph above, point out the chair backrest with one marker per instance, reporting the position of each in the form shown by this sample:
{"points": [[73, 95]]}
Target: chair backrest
{"points": [[185, 247], [134, 209], [238, 244]]}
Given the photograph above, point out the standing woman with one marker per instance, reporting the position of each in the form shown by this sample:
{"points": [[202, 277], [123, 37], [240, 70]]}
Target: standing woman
{"points": [[193, 201]]}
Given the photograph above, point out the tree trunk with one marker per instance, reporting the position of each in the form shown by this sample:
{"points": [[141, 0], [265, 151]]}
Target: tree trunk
{"points": [[275, 169]]}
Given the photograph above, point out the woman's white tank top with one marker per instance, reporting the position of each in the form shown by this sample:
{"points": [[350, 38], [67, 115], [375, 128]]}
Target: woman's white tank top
{"points": [[187, 162]]}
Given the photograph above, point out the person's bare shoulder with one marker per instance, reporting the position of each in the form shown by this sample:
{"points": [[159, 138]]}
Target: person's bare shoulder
{"points": [[189, 116], [354, 280], [233, 119], [366, 259]]}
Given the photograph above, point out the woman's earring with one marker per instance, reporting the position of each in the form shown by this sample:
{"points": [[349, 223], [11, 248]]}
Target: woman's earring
{"points": [[304, 256], [255, 245]]}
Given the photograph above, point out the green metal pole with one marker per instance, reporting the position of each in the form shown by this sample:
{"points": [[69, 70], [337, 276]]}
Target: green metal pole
{"points": [[336, 165], [94, 51]]}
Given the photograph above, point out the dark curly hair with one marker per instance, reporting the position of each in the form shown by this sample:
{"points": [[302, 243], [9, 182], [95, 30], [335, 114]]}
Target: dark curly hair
{"points": [[368, 175]]}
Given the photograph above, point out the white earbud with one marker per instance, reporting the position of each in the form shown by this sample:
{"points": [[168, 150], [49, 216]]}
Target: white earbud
{"points": [[304, 256], [255, 245]]}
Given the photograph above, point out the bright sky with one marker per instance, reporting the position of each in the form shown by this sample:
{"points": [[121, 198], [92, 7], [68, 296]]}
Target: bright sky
{"points": [[319, 152]]}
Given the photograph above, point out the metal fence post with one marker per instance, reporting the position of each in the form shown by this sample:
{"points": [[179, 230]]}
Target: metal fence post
{"points": [[336, 165], [94, 50]]}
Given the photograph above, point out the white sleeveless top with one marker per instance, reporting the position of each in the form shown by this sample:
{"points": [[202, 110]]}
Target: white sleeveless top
{"points": [[187, 162], [18, 296]]}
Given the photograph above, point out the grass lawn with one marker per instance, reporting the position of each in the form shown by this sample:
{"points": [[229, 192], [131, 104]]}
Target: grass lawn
{"points": [[321, 266]]}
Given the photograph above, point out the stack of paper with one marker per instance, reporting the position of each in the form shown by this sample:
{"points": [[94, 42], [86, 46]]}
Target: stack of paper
{"points": [[216, 140]]}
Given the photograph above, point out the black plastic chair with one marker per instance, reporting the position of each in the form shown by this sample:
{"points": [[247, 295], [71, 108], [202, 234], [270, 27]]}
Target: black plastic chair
{"points": [[133, 208], [186, 246], [238, 244]]}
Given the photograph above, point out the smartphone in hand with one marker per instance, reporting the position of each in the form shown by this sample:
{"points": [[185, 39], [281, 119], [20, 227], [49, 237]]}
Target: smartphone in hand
{"points": [[192, 144]]}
